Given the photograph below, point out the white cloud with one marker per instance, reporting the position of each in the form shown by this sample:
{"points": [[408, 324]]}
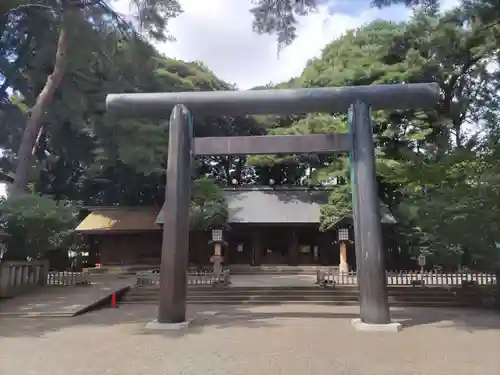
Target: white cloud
{"points": [[219, 33], [3, 190], [449, 4]]}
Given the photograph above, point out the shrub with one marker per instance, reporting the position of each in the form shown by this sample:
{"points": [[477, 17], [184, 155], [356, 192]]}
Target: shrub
{"points": [[37, 225]]}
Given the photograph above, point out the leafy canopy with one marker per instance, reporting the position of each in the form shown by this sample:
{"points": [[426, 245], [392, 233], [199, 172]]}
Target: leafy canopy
{"points": [[38, 225]]}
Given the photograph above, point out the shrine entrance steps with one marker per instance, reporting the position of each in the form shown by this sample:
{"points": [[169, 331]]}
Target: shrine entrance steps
{"points": [[275, 269], [338, 296]]}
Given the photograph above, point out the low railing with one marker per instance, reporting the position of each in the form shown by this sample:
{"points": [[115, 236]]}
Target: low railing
{"points": [[66, 278], [332, 276], [152, 278], [199, 269], [17, 277]]}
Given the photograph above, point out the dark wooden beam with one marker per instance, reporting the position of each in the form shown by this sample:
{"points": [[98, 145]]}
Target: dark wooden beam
{"points": [[273, 144]]}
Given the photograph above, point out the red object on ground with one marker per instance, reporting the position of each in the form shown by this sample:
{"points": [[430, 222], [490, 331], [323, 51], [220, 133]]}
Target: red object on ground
{"points": [[113, 300]]}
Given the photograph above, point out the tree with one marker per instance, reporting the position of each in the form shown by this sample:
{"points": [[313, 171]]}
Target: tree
{"points": [[426, 160], [81, 154], [208, 208], [37, 225], [486, 12], [69, 15], [151, 18], [280, 17], [426, 4]]}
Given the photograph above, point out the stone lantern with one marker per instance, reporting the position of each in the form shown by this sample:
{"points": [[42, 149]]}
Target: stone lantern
{"points": [[343, 238], [216, 259]]}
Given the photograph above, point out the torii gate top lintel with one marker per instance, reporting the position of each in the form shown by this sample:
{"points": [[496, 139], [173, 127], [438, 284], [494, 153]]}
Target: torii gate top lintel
{"points": [[276, 101]]}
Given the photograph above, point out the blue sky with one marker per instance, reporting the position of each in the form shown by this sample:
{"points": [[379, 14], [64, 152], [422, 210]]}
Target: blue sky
{"points": [[352, 7]]}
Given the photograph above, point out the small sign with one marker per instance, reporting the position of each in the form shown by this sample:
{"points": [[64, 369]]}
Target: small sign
{"points": [[421, 260], [497, 245]]}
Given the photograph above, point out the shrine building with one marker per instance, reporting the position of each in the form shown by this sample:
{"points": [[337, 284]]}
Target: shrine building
{"points": [[267, 226]]}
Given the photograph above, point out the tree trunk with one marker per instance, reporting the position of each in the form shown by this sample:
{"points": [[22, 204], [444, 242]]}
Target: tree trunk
{"points": [[34, 122]]}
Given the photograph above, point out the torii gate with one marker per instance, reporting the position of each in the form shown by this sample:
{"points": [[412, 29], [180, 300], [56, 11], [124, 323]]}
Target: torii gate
{"points": [[358, 100]]}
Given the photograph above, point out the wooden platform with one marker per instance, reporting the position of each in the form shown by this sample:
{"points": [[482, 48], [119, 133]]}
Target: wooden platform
{"points": [[65, 301]]}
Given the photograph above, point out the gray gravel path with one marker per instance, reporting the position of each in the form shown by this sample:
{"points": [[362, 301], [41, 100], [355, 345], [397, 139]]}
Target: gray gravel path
{"points": [[270, 340]]}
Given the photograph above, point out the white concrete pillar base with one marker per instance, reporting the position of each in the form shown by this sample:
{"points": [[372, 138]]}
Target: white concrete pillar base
{"points": [[365, 327], [156, 326]]}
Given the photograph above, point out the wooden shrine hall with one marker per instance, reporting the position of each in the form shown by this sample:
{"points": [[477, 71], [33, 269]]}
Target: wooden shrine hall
{"points": [[267, 226]]}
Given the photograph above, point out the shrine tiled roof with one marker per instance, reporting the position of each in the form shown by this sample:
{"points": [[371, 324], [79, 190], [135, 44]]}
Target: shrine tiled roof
{"points": [[282, 206], [278, 206], [119, 220]]}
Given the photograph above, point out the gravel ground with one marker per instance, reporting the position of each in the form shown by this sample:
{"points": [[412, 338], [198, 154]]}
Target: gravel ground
{"points": [[272, 340]]}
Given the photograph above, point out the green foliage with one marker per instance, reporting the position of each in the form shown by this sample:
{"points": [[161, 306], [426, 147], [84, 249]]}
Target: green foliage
{"points": [[38, 225], [280, 17], [79, 148], [460, 206], [208, 208], [339, 207], [429, 163], [82, 154]]}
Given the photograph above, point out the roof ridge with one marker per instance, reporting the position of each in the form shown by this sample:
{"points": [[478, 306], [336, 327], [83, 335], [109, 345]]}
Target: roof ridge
{"points": [[120, 208]]}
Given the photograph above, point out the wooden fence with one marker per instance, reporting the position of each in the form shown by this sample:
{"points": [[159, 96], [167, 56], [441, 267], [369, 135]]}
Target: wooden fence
{"points": [[333, 276], [152, 278]]}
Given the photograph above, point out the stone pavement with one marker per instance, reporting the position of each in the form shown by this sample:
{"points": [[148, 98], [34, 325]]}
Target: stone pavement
{"points": [[59, 301], [265, 340]]}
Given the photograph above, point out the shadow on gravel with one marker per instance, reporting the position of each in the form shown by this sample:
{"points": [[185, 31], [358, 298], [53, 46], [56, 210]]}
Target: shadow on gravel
{"points": [[221, 317]]}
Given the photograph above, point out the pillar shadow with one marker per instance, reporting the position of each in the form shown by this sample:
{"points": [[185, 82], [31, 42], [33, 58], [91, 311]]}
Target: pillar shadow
{"points": [[227, 316]]}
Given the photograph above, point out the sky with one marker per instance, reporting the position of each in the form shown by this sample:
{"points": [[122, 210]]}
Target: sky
{"points": [[3, 190], [219, 33]]}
